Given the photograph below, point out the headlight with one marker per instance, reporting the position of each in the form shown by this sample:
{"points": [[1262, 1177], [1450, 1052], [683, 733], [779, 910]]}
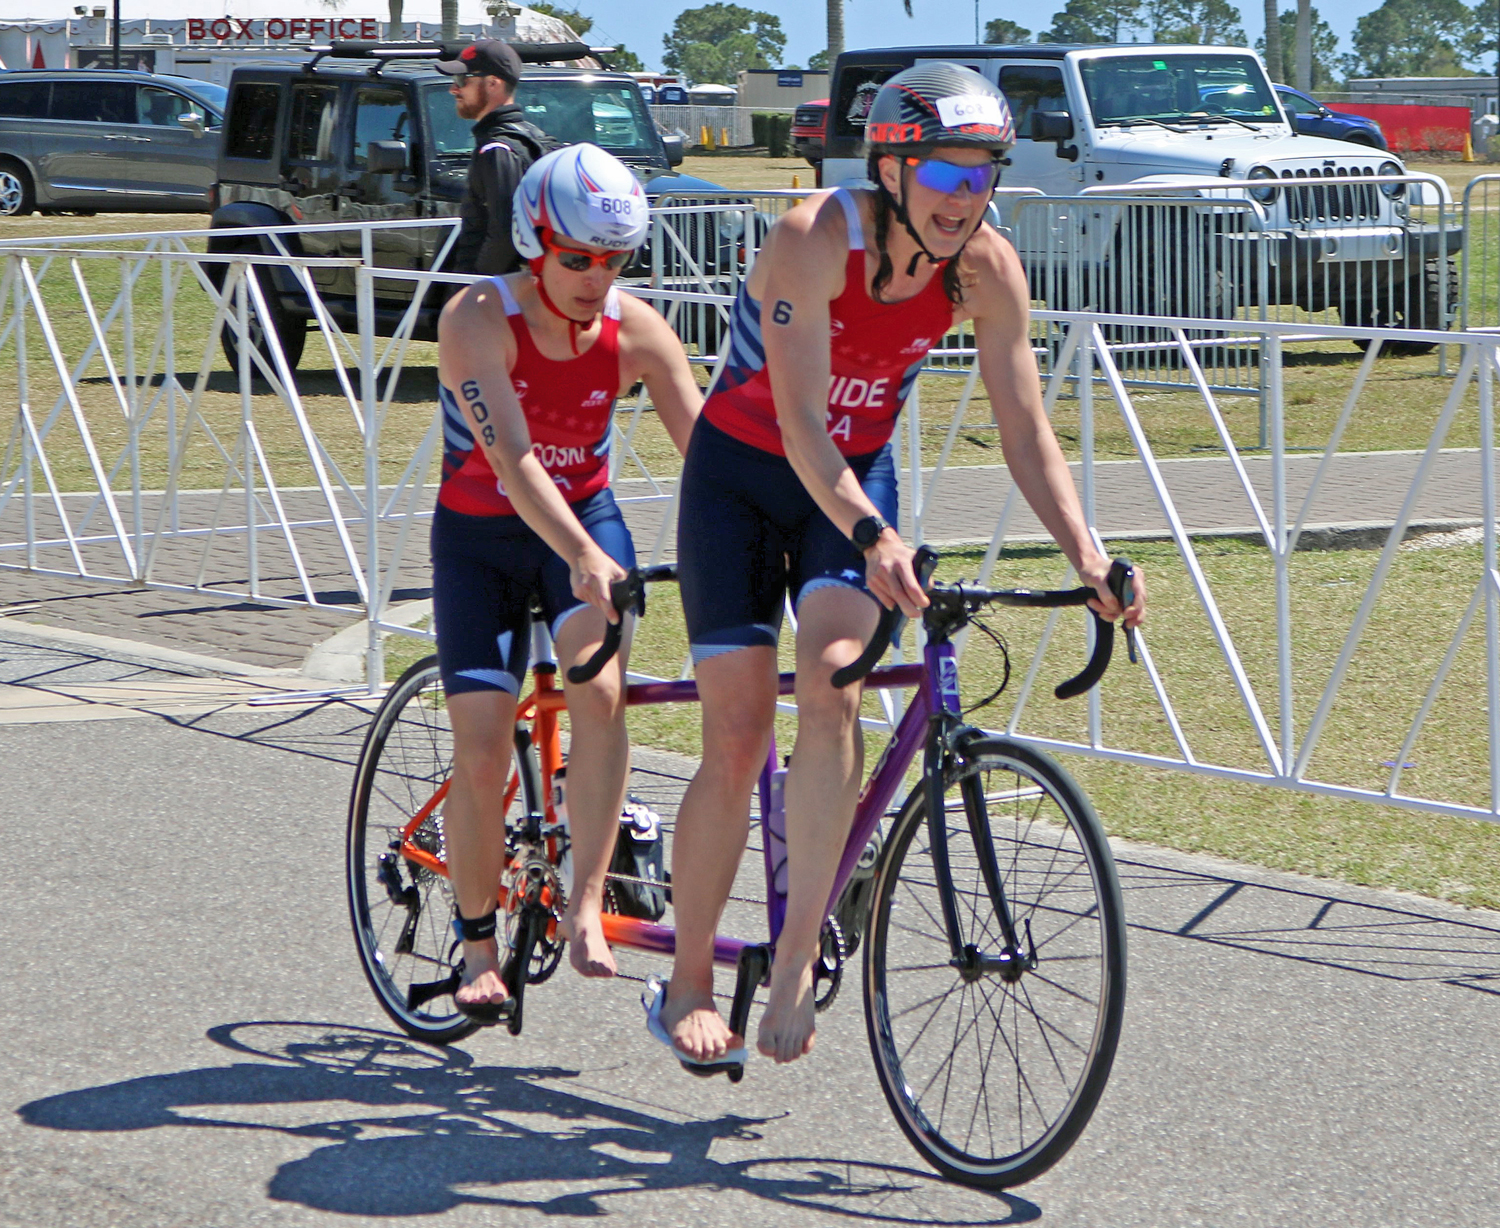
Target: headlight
{"points": [[1391, 189], [1264, 195], [731, 226]]}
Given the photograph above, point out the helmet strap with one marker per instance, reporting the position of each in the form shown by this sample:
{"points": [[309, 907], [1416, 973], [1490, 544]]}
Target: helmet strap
{"points": [[535, 264], [898, 207]]}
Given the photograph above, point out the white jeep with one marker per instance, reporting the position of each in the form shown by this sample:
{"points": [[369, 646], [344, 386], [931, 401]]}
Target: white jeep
{"points": [[1174, 122]]}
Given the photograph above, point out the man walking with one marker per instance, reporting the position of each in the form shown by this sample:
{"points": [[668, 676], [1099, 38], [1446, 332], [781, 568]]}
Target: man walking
{"points": [[485, 75]]}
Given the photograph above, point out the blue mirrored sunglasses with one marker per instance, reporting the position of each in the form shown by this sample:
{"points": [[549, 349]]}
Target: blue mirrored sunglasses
{"points": [[947, 177]]}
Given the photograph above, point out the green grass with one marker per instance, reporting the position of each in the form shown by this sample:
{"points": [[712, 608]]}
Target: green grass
{"points": [[1383, 846]]}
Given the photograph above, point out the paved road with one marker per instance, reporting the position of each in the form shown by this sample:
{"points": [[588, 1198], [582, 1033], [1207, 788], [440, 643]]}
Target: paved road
{"points": [[187, 1040], [1361, 492]]}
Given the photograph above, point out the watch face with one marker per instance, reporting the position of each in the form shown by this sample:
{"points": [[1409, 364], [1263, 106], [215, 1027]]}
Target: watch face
{"points": [[867, 532]]}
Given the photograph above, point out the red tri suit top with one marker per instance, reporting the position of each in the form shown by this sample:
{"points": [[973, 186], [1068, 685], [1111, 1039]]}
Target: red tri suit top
{"points": [[876, 351], [569, 407]]}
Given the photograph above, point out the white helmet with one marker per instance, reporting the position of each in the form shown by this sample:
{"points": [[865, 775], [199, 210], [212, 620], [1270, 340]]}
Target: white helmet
{"points": [[579, 193]]}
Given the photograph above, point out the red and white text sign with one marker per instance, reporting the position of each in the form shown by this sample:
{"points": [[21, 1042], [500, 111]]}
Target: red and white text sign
{"points": [[274, 29]]}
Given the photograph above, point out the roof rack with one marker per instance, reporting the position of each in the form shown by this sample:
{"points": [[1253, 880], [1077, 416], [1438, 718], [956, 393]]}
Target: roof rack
{"points": [[382, 53]]}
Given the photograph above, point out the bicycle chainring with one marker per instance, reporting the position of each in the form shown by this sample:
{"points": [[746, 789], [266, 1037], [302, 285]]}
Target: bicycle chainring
{"points": [[531, 882], [828, 970]]}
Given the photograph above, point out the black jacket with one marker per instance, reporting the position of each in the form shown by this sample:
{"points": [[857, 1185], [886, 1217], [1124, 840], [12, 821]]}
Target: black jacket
{"points": [[505, 145]]}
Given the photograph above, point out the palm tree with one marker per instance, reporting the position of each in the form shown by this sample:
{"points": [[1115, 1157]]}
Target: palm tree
{"points": [[836, 27], [1273, 41], [450, 21], [1304, 45]]}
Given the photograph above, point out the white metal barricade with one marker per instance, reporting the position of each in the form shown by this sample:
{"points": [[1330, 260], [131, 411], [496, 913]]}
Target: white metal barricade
{"points": [[107, 415]]}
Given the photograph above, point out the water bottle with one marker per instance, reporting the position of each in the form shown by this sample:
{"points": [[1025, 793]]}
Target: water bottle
{"points": [[560, 831], [776, 831]]}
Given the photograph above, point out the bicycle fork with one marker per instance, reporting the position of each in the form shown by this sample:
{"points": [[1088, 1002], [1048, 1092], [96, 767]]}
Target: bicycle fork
{"points": [[944, 747]]}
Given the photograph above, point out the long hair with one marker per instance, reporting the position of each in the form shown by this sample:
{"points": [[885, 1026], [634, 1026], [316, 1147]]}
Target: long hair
{"points": [[954, 271]]}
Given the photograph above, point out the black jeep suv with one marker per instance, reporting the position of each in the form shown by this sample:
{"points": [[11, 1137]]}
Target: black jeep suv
{"points": [[368, 132]]}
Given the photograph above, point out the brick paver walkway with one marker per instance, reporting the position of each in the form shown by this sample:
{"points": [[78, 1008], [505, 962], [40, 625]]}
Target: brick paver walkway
{"points": [[1360, 491]]}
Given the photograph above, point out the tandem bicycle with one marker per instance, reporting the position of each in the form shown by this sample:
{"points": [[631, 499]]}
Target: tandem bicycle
{"points": [[985, 902]]}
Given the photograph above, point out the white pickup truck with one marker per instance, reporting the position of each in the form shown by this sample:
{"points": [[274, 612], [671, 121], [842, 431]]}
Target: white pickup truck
{"points": [[1095, 122]]}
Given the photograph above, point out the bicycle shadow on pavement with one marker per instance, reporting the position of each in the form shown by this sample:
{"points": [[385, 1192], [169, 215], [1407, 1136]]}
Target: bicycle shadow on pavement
{"points": [[1328, 928], [441, 1132]]}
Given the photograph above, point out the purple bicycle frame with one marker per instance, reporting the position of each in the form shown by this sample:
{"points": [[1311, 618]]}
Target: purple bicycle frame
{"points": [[938, 665]]}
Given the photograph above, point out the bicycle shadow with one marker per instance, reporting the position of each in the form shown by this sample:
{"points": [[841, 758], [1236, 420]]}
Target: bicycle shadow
{"points": [[438, 1132], [1326, 929]]}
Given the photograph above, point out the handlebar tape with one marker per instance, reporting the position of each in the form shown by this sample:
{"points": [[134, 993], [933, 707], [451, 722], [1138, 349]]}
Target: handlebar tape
{"points": [[890, 626], [1121, 572], [625, 595]]}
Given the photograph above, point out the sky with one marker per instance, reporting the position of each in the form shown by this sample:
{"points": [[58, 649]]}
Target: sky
{"points": [[867, 23]]}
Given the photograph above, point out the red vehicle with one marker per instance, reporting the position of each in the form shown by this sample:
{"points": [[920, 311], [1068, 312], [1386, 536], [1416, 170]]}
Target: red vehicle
{"points": [[807, 133]]}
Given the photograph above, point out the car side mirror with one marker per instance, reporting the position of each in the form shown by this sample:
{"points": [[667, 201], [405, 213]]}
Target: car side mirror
{"points": [[192, 121], [1051, 126], [1055, 126], [385, 157], [675, 151], [1324, 113]]}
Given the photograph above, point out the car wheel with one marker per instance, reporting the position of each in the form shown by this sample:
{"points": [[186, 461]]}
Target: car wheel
{"points": [[17, 197], [291, 330]]}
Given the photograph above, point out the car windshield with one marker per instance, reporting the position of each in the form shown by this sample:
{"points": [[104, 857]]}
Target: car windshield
{"points": [[608, 113], [216, 96], [1177, 88], [450, 135]]}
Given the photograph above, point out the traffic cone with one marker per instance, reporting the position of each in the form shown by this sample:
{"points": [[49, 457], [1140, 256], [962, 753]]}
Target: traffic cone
{"points": [[724, 138], [703, 138], [796, 181], [1468, 148]]}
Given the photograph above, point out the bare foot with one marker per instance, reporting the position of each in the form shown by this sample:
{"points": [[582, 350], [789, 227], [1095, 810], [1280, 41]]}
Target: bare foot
{"points": [[587, 951], [787, 1030], [696, 1027], [482, 984]]}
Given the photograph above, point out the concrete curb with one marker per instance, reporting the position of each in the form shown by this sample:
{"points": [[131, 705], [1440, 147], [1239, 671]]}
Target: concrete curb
{"points": [[139, 652], [1351, 535], [341, 657]]}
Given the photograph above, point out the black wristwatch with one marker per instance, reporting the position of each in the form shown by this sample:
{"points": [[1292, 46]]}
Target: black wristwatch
{"points": [[867, 532]]}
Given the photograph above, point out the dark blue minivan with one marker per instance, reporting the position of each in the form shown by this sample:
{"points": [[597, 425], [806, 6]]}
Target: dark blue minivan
{"points": [[1311, 118]]}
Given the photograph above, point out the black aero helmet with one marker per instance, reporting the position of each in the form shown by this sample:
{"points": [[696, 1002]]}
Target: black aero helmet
{"points": [[928, 107], [940, 104]]}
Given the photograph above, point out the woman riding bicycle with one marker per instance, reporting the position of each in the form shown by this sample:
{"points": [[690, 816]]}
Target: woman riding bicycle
{"points": [[789, 487], [530, 365]]}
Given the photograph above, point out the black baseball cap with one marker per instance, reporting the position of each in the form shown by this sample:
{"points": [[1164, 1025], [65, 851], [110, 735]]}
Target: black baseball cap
{"points": [[488, 56]]}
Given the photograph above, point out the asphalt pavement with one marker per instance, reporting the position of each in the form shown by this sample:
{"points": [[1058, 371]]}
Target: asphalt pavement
{"points": [[187, 1038]]}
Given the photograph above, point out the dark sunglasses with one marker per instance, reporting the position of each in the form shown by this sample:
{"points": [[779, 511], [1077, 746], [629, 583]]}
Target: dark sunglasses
{"points": [[460, 79], [576, 261], [948, 177]]}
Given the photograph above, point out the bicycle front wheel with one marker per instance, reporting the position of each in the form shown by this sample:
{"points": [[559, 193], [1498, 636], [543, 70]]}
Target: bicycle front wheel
{"points": [[993, 1060], [402, 909]]}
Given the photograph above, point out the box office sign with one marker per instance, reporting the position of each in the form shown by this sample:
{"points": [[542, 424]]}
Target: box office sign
{"points": [[278, 29]]}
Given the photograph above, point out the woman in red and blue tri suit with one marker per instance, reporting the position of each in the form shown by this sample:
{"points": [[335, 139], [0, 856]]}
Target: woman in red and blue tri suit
{"points": [[530, 365], [789, 490]]}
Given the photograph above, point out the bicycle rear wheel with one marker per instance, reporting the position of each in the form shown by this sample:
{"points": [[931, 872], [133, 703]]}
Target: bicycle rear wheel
{"points": [[993, 1070], [402, 912]]}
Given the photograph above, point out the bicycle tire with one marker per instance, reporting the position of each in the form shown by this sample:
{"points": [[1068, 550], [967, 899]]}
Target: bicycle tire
{"points": [[1013, 1112], [402, 913]]}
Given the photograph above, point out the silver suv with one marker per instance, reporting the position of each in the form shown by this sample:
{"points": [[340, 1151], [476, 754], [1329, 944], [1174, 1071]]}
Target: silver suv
{"points": [[120, 142]]}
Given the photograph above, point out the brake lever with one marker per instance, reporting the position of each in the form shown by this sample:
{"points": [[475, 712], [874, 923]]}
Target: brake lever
{"points": [[1122, 584]]}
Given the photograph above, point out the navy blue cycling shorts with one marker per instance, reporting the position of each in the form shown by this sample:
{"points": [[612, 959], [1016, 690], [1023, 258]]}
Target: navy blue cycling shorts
{"points": [[748, 533], [486, 571]]}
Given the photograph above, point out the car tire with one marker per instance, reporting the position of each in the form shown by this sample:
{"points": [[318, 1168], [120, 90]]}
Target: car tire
{"points": [[17, 195], [1415, 305], [290, 329]]}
